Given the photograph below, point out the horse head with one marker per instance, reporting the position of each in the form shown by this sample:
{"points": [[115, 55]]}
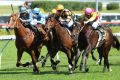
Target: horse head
{"points": [[51, 22], [14, 20]]}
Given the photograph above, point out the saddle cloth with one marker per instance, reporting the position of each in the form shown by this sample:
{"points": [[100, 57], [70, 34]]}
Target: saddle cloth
{"points": [[102, 36]]}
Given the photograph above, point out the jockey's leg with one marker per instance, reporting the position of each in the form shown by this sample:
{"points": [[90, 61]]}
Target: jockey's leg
{"points": [[34, 29], [96, 26]]}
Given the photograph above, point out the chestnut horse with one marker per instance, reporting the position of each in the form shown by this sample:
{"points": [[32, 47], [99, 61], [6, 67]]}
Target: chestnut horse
{"points": [[60, 40], [26, 41], [87, 41]]}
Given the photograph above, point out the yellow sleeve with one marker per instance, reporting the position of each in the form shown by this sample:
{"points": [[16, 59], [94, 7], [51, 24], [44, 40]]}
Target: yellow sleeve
{"points": [[93, 17]]}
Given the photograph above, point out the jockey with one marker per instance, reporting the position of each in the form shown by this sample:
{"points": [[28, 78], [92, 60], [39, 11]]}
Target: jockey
{"points": [[38, 17], [59, 9], [27, 18], [91, 17], [27, 5], [66, 19]]}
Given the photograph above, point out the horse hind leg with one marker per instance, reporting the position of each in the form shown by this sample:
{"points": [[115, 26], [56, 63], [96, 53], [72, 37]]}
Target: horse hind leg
{"points": [[106, 61]]}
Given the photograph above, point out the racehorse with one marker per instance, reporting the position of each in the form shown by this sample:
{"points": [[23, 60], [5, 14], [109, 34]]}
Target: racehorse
{"points": [[59, 40], [87, 41], [75, 32], [26, 41]]}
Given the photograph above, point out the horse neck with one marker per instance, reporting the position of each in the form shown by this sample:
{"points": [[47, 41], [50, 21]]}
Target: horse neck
{"points": [[19, 28]]}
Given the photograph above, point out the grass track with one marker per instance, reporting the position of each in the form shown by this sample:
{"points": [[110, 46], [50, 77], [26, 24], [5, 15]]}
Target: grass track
{"points": [[10, 72]]}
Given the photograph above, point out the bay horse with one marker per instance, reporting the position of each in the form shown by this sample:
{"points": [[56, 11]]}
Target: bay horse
{"points": [[87, 41], [26, 41], [60, 40]]}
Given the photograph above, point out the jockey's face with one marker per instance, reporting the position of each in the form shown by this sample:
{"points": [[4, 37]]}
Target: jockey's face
{"points": [[88, 16]]}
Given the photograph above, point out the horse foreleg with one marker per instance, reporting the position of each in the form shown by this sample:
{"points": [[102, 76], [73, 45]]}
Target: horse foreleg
{"points": [[52, 55], [77, 55], [83, 65], [34, 61], [69, 56], [93, 57], [57, 58], [45, 59], [100, 55], [19, 56]]}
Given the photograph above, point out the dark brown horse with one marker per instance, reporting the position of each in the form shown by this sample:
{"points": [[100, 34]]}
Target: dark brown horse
{"points": [[87, 41], [26, 41], [60, 40]]}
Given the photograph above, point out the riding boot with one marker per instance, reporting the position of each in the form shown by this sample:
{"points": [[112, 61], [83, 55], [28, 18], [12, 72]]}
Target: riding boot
{"points": [[101, 36], [35, 30]]}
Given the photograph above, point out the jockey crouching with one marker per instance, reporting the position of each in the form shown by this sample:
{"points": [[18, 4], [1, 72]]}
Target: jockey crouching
{"points": [[66, 19], [38, 18], [57, 11], [92, 18], [26, 18]]}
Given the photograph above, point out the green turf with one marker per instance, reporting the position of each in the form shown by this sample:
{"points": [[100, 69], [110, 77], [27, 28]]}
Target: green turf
{"points": [[115, 29], [10, 72]]}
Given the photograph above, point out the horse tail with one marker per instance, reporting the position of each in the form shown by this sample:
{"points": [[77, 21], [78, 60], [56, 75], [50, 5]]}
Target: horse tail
{"points": [[116, 43]]}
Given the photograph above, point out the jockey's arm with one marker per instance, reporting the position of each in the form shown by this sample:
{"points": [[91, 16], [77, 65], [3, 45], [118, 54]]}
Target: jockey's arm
{"points": [[93, 17], [61, 19], [27, 20]]}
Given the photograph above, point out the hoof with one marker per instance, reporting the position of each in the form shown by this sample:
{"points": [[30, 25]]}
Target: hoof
{"points": [[81, 68], [27, 64], [110, 70], [70, 71], [57, 62], [43, 64], [17, 64], [35, 71], [76, 66], [54, 67], [87, 69]]}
